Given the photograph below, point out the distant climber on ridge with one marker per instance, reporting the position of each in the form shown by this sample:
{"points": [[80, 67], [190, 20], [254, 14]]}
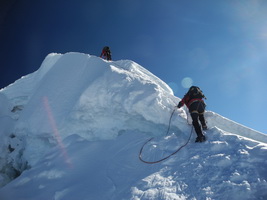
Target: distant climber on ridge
{"points": [[193, 99], [106, 53]]}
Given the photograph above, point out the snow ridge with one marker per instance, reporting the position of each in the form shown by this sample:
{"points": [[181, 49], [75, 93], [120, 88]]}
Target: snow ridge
{"points": [[73, 130]]}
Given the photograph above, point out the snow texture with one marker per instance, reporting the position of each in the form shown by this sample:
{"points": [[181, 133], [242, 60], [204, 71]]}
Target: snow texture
{"points": [[74, 128]]}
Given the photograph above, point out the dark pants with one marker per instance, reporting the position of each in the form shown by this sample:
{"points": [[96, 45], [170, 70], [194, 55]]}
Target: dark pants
{"points": [[197, 110], [109, 56]]}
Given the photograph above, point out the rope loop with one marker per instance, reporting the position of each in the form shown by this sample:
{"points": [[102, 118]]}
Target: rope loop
{"points": [[157, 161]]}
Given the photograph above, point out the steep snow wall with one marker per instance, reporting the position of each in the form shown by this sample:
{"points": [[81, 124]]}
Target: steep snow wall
{"points": [[82, 94], [79, 88]]}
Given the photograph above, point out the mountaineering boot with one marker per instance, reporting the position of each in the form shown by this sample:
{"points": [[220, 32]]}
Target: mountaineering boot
{"points": [[204, 127], [201, 139]]}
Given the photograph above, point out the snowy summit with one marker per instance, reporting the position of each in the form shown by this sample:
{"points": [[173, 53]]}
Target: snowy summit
{"points": [[73, 130]]}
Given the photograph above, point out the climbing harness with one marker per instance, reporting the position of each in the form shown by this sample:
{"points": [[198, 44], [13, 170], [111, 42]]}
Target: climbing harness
{"points": [[157, 161]]}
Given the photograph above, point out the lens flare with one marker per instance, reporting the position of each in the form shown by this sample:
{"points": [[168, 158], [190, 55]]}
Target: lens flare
{"points": [[187, 82], [56, 132]]}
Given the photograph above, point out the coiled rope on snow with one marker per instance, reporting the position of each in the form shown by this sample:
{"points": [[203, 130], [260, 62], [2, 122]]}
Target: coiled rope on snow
{"points": [[157, 161]]}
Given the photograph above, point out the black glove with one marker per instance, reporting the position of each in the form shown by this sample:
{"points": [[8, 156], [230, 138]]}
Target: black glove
{"points": [[180, 105]]}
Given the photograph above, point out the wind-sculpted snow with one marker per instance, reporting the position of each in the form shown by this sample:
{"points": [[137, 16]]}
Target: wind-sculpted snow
{"points": [[85, 95], [215, 119], [74, 129], [79, 82]]}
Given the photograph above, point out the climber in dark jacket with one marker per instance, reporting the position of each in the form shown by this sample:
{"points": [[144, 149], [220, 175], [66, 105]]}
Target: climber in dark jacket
{"points": [[106, 53], [193, 99]]}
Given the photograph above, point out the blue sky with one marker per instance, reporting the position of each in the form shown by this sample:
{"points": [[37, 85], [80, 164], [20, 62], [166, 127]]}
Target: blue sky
{"points": [[219, 45]]}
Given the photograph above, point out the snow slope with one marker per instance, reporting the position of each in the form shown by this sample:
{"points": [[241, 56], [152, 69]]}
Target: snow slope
{"points": [[74, 128]]}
